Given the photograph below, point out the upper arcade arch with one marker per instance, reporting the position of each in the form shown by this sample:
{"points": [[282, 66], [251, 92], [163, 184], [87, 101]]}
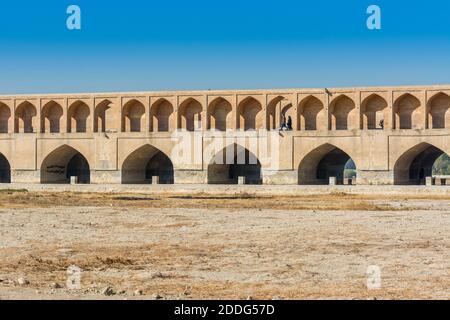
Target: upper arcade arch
{"points": [[51, 115], [374, 113], [343, 113], [407, 112], [220, 115], [102, 113], [24, 120], [312, 114], [250, 115], [5, 115], [133, 115], [438, 111], [78, 117], [279, 109], [190, 115], [162, 116]]}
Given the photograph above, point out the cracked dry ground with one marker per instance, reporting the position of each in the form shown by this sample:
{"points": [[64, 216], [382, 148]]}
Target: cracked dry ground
{"points": [[203, 247]]}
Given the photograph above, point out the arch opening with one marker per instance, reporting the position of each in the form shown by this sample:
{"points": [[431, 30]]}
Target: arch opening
{"points": [[279, 110], [5, 170], [420, 162], [161, 116], [374, 112], [5, 114], [312, 114], [219, 115], [407, 112], [190, 115], [78, 117], [324, 163], [51, 117], [342, 114], [439, 111], [243, 164], [24, 119], [63, 164], [147, 165], [132, 116], [250, 115], [101, 114]]}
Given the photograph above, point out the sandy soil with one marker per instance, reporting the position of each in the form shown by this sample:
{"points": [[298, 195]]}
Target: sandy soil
{"points": [[202, 247]]}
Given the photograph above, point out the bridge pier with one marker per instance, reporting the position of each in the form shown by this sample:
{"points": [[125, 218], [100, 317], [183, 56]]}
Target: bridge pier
{"points": [[375, 177]]}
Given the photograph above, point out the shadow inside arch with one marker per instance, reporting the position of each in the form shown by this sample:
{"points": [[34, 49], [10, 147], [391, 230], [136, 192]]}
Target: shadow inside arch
{"points": [[232, 163], [146, 164], [418, 163], [324, 162], [63, 164], [5, 170]]}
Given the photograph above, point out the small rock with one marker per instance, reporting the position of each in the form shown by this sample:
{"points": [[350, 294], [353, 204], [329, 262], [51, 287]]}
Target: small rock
{"points": [[138, 292], [275, 298], [157, 297], [107, 291], [23, 281], [249, 298], [55, 285]]}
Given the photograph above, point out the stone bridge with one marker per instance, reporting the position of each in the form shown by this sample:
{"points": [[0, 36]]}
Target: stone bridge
{"points": [[384, 135]]}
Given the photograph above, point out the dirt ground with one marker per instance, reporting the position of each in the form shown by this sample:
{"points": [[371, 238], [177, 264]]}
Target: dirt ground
{"points": [[223, 247]]}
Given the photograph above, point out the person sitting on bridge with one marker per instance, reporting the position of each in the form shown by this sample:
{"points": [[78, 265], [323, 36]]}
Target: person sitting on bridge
{"points": [[283, 126], [289, 123]]}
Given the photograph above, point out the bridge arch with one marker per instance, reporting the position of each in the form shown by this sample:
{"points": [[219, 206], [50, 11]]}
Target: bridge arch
{"points": [[374, 112], [407, 112], [24, 118], [5, 115], [219, 115], [190, 115], [145, 163], [278, 108], [312, 114], [250, 115], [161, 114], [5, 170], [417, 163], [342, 113], [101, 114], [439, 111], [232, 162], [78, 117], [133, 114], [324, 162], [63, 163], [51, 115]]}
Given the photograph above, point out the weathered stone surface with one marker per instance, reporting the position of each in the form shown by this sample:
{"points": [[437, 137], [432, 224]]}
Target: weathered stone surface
{"points": [[176, 137]]}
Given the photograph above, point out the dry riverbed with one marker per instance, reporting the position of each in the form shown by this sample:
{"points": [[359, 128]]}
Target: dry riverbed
{"points": [[138, 246]]}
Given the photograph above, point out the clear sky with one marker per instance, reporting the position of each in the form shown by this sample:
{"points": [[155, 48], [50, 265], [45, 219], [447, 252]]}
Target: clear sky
{"points": [[221, 44]]}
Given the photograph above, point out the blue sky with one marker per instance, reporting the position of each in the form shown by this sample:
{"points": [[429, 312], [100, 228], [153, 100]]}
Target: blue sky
{"points": [[181, 45]]}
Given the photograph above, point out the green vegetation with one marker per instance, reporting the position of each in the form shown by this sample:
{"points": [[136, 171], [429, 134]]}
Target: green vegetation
{"points": [[442, 166]]}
